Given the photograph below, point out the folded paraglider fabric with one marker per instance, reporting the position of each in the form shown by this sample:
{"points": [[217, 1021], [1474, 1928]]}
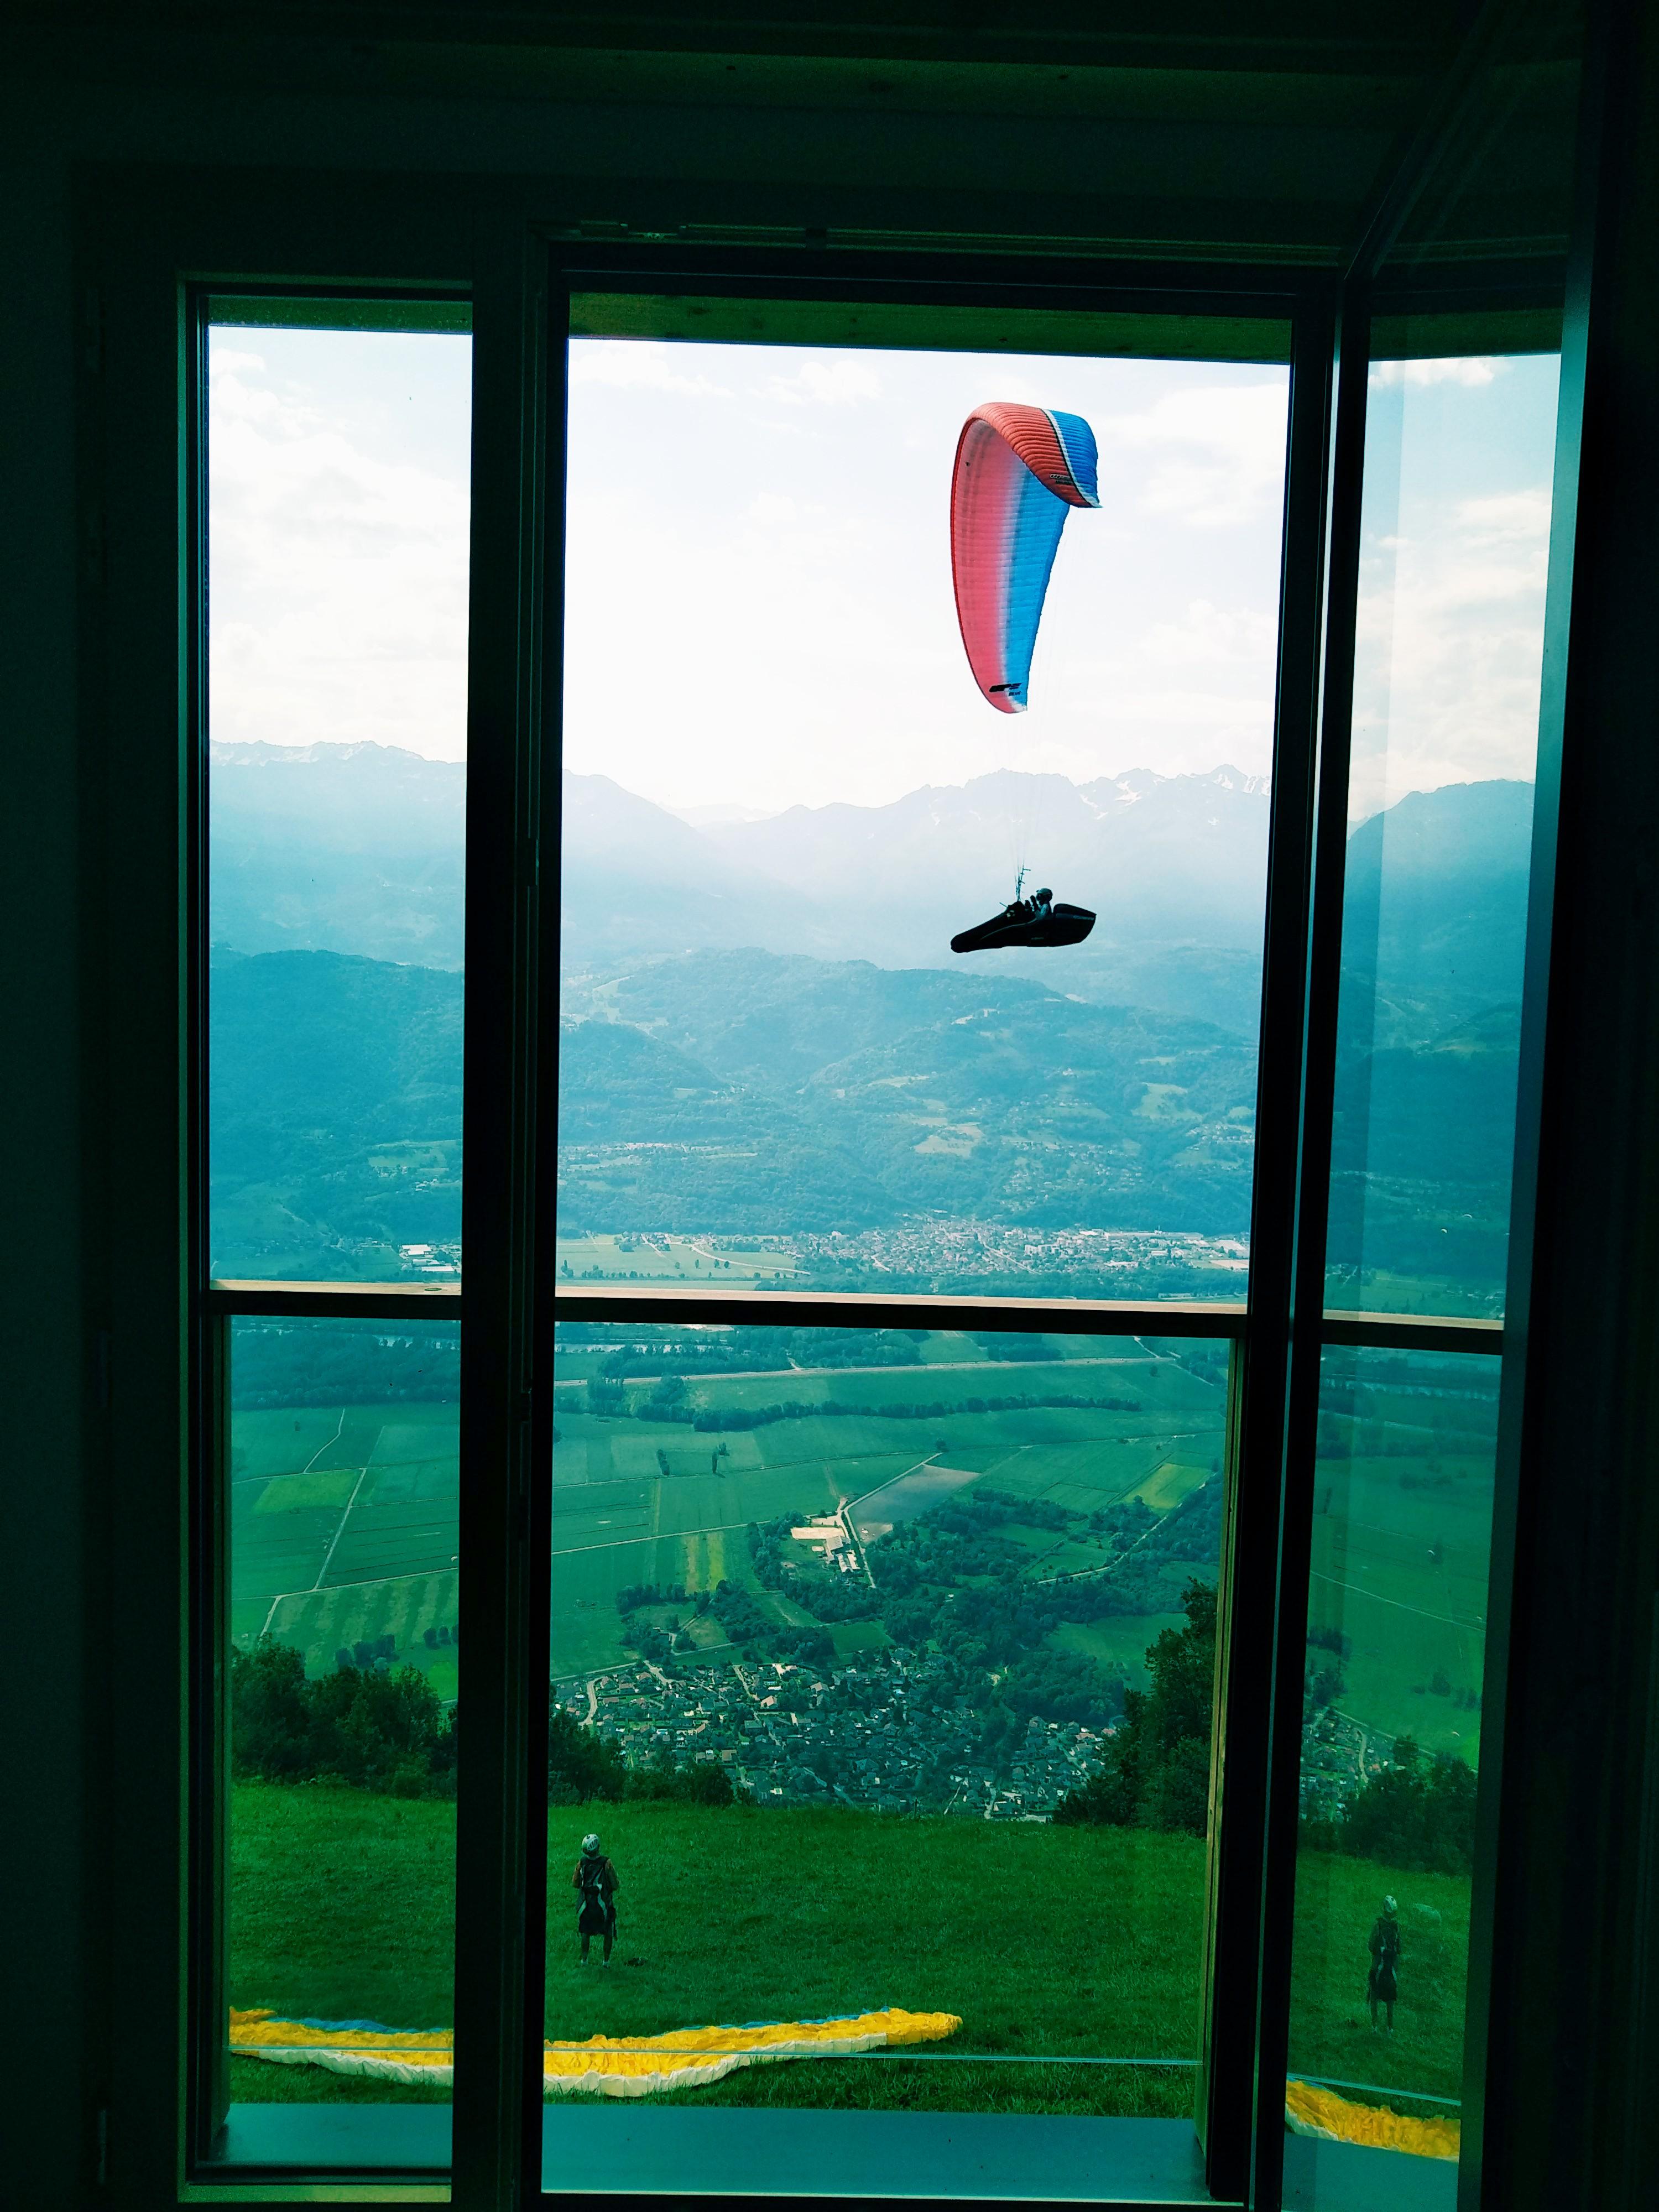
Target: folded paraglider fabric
{"points": [[346, 2046], [605, 2065], [1311, 2110], [1060, 924], [636, 2065]]}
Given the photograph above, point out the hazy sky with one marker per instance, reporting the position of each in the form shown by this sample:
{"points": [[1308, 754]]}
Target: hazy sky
{"points": [[759, 608]]}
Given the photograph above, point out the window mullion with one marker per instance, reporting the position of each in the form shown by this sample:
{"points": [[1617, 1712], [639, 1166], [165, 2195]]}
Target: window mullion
{"points": [[490, 1931], [1247, 1959]]}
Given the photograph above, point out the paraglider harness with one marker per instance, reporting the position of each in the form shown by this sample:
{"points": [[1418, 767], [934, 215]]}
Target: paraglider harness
{"points": [[594, 1875], [1034, 920], [1385, 1956]]}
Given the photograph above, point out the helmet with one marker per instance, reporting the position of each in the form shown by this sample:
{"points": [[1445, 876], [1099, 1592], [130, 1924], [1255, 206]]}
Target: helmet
{"points": [[589, 1847]]}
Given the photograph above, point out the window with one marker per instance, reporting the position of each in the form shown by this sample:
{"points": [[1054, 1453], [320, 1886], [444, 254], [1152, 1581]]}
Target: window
{"points": [[335, 525], [779, 813], [883, 1666], [904, 1510]]}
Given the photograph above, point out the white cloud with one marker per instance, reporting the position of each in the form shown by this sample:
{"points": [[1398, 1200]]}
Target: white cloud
{"points": [[225, 360], [1450, 651], [1470, 370], [1215, 453], [338, 564], [641, 365], [842, 380]]}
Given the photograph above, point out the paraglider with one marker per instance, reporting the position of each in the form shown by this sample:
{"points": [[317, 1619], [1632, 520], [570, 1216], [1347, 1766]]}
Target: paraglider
{"points": [[1034, 920], [1019, 471]]}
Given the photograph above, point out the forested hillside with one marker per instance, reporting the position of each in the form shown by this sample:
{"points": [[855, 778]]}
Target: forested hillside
{"points": [[729, 1067]]}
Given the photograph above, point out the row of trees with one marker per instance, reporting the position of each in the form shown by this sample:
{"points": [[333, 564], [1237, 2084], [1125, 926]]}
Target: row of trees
{"points": [[375, 1728], [667, 1401], [307, 1364], [1417, 1813]]}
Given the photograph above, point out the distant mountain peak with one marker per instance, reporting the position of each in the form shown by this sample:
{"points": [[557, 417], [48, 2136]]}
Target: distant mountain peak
{"points": [[258, 753]]}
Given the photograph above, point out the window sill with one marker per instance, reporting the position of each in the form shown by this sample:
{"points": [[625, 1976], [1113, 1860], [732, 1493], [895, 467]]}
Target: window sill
{"points": [[615, 2150], [395, 2154], [1353, 2178]]}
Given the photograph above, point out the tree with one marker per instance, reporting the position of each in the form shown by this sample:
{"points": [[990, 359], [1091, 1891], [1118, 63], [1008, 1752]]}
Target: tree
{"points": [[1417, 1812], [270, 1719], [1155, 1773], [373, 1728], [581, 1764]]}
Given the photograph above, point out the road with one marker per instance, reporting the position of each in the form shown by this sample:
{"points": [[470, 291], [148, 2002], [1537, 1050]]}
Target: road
{"points": [[921, 1367]]}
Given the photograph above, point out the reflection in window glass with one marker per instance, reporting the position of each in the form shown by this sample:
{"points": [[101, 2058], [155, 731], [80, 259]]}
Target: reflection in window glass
{"points": [[1458, 458], [337, 518], [882, 1669], [1396, 1653], [774, 1070], [344, 1653]]}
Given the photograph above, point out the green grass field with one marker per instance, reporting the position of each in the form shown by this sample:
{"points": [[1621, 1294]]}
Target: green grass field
{"points": [[344, 1527], [1050, 1943], [1400, 1567], [1117, 1642], [629, 1259]]}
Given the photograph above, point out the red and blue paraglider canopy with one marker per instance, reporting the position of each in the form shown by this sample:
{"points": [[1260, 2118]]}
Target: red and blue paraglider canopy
{"points": [[1019, 471]]}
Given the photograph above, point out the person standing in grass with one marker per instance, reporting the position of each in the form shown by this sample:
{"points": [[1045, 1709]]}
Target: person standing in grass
{"points": [[596, 1884], [1383, 1986]]}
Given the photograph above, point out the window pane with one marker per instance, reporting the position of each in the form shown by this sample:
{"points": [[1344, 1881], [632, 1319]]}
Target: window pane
{"points": [[775, 1069], [1458, 458], [337, 519], [883, 1672], [1396, 1653], [344, 1652]]}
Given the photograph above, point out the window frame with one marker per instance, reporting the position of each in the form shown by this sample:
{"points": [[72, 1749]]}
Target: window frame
{"points": [[158, 246]]}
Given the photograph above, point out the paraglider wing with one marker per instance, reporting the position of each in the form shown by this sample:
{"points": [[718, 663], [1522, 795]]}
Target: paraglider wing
{"points": [[1019, 471]]}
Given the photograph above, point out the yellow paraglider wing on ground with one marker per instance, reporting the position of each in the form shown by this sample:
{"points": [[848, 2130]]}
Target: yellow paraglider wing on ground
{"points": [[1311, 2110], [605, 2065]]}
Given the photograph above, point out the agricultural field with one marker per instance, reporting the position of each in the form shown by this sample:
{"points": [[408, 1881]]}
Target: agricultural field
{"points": [[344, 1527], [343, 1904], [1399, 1569], [1120, 1644], [669, 1259], [345, 1519], [619, 1519]]}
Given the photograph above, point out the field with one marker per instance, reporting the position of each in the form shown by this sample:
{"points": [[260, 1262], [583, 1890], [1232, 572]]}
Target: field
{"points": [[1400, 1565], [668, 1259], [618, 1520], [344, 1520], [343, 1528], [1049, 1943], [1119, 1642]]}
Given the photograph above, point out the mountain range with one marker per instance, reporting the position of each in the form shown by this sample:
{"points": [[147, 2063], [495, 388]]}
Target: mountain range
{"points": [[763, 1032]]}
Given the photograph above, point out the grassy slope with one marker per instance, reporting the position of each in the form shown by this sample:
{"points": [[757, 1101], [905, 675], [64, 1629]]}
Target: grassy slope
{"points": [[1047, 1941]]}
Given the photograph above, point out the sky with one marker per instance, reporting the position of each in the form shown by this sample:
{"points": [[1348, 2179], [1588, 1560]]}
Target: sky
{"points": [[758, 607]]}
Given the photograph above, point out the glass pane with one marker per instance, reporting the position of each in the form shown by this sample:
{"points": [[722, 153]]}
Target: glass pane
{"points": [[337, 518], [882, 1669], [775, 1070], [344, 1652], [1391, 1742], [1458, 457]]}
